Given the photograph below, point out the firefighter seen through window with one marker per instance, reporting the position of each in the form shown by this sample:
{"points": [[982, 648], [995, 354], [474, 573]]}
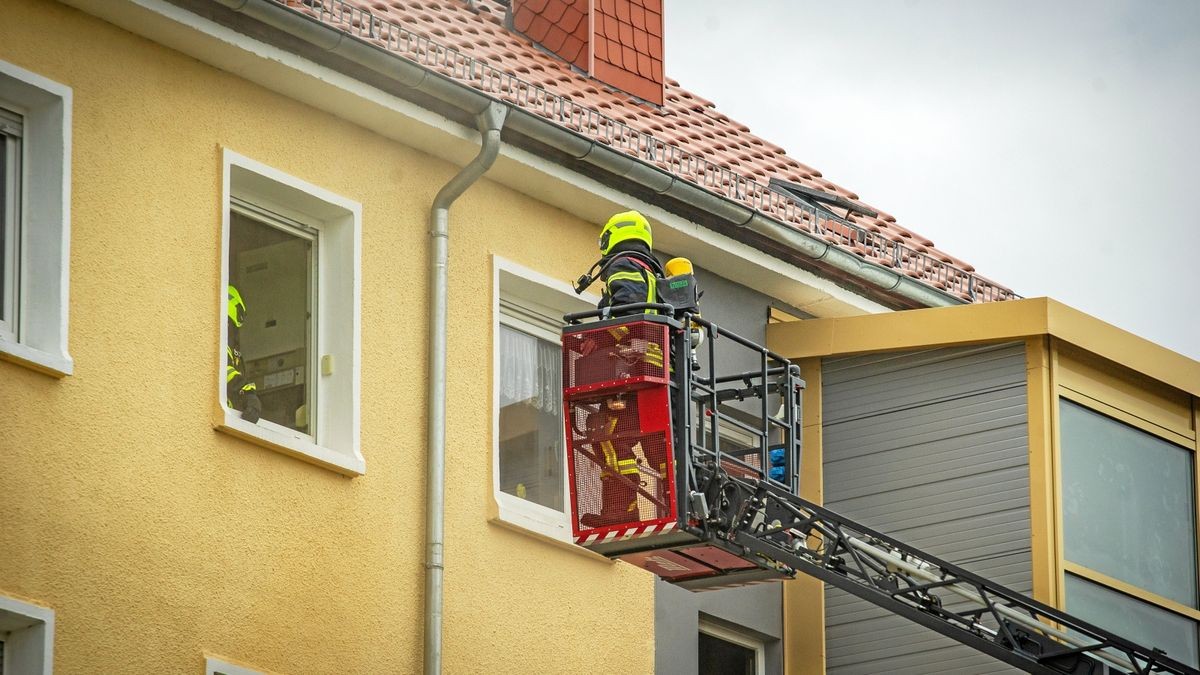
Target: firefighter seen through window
{"points": [[273, 272]]}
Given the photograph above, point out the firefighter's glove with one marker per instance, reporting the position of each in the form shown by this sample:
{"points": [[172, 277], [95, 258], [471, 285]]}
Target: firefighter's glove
{"points": [[253, 408]]}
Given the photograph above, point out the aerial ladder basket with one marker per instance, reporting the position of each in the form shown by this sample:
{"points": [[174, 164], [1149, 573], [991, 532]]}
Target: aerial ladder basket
{"points": [[685, 463], [642, 408]]}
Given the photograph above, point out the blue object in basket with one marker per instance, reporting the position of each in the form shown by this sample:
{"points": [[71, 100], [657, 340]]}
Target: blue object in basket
{"points": [[778, 457]]}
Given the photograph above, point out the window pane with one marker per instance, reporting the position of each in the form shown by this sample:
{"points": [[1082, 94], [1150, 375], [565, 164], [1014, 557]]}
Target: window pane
{"points": [[531, 427], [272, 270], [1133, 619], [1128, 504], [721, 657], [8, 231], [5, 226]]}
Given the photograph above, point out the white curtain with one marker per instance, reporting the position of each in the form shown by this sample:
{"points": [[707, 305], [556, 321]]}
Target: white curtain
{"points": [[529, 371]]}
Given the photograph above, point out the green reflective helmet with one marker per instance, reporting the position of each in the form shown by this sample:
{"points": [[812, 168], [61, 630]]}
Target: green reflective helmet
{"points": [[623, 227], [235, 307]]}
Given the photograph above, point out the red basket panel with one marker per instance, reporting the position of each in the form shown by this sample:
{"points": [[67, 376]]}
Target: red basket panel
{"points": [[619, 449], [615, 355]]}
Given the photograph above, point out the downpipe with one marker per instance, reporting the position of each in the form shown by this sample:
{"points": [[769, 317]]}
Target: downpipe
{"points": [[489, 123]]}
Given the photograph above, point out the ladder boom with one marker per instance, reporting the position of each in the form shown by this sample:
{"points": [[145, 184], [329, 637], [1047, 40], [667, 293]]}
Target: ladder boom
{"points": [[686, 469], [786, 531]]}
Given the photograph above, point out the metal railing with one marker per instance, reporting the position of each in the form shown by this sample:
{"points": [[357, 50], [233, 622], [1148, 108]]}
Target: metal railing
{"points": [[451, 62]]}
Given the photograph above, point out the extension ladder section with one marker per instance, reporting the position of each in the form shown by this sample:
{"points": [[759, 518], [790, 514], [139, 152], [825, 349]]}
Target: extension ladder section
{"points": [[690, 469]]}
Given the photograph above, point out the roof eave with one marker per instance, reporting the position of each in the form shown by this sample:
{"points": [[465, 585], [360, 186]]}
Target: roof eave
{"points": [[276, 24]]}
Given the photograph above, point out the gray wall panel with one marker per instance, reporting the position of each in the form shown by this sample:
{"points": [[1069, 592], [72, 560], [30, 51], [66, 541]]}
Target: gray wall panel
{"points": [[929, 447], [755, 611]]}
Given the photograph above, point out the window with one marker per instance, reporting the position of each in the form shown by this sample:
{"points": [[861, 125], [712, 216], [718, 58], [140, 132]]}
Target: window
{"points": [[727, 652], [531, 431], [1129, 530], [35, 150], [1132, 619], [292, 254], [274, 273], [529, 460], [26, 637], [216, 666]]}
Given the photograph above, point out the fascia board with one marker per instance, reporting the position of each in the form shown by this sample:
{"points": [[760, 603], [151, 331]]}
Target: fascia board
{"points": [[983, 323]]}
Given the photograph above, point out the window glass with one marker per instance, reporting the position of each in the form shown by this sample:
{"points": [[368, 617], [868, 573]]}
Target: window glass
{"points": [[1128, 504], [10, 171], [721, 657], [272, 268], [1133, 619], [6, 225], [531, 427]]}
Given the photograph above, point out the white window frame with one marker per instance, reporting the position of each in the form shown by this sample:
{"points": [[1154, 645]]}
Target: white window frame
{"points": [[28, 632], [43, 229], [217, 666], [334, 368], [522, 285], [738, 638]]}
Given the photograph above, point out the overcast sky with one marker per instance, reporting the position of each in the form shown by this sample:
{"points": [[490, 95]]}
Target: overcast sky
{"points": [[1054, 146]]}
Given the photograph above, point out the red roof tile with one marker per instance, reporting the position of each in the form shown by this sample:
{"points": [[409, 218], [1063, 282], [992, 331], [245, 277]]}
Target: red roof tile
{"points": [[611, 27], [726, 158], [641, 41], [554, 12], [615, 19], [558, 25], [637, 16]]}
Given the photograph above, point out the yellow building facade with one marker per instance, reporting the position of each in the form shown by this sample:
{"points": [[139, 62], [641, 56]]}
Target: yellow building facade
{"points": [[154, 535], [147, 525]]}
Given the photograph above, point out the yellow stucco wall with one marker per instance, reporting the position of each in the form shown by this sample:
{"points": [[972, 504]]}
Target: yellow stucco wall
{"points": [[154, 537]]}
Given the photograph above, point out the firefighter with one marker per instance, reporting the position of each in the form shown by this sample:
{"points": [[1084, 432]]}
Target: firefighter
{"points": [[620, 476], [237, 385], [629, 270], [630, 273]]}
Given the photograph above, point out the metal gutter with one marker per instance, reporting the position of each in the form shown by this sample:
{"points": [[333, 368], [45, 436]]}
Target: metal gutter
{"points": [[412, 76], [663, 183], [489, 122]]}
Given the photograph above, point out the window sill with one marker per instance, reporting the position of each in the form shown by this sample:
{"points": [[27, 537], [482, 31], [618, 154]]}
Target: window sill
{"points": [[518, 521], [290, 445], [54, 365]]}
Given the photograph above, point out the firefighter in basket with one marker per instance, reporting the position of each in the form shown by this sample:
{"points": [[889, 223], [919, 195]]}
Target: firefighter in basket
{"points": [[631, 468]]}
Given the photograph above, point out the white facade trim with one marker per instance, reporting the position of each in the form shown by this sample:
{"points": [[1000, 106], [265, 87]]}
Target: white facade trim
{"points": [[339, 299], [44, 222], [216, 666], [29, 643]]}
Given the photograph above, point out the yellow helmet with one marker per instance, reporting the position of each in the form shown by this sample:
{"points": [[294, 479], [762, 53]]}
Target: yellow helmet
{"points": [[235, 307], [623, 227], [676, 266]]}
